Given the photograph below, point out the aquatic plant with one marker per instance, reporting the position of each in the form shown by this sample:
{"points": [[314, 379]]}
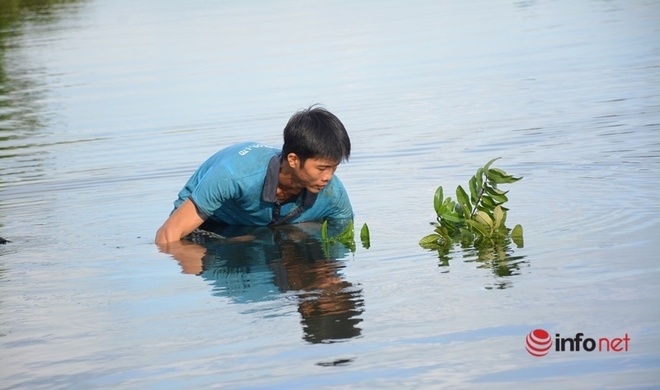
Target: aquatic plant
{"points": [[347, 236], [476, 219]]}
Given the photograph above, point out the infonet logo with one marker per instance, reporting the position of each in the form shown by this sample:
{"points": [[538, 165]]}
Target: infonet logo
{"points": [[538, 343]]}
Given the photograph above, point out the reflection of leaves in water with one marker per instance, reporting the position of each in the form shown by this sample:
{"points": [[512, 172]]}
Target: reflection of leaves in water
{"points": [[21, 112], [14, 12], [496, 255], [20, 91], [499, 257]]}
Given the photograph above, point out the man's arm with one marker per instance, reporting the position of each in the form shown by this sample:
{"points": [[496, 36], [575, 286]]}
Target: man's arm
{"points": [[342, 208], [182, 222]]}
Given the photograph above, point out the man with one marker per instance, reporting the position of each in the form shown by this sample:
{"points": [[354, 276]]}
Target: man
{"points": [[254, 184]]}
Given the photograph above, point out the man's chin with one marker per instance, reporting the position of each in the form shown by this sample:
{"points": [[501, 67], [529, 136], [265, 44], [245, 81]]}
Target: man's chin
{"points": [[315, 189]]}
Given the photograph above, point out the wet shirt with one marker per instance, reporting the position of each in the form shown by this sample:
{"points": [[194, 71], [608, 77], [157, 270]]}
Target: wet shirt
{"points": [[238, 186]]}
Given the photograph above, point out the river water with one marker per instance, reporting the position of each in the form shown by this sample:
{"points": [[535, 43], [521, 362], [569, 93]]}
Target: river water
{"points": [[107, 107]]}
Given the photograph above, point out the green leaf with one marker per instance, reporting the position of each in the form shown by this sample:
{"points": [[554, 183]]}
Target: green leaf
{"points": [[451, 230], [437, 200], [497, 198], [443, 209], [324, 231], [499, 215], [517, 236], [462, 198], [500, 171], [480, 177], [487, 201], [474, 190], [496, 195], [466, 232], [430, 242], [490, 162], [365, 237], [445, 206], [484, 219], [498, 176], [347, 234], [495, 191], [347, 237], [464, 206], [326, 251], [479, 228], [466, 235], [495, 177], [486, 209], [451, 216], [349, 244], [444, 233], [466, 212]]}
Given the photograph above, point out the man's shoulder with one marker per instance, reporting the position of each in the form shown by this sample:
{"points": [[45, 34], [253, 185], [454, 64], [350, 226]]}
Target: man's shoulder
{"points": [[244, 154], [334, 189], [245, 150], [242, 159], [333, 201]]}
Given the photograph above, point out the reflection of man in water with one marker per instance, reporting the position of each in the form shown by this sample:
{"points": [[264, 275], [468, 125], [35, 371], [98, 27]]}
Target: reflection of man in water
{"points": [[245, 265]]}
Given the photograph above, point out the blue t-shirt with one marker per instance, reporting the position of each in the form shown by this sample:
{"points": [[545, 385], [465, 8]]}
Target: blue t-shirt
{"points": [[238, 185]]}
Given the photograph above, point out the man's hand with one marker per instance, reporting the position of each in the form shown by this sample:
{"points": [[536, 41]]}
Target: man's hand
{"points": [[181, 223]]}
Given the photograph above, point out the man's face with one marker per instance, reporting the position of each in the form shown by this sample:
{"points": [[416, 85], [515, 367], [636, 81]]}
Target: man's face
{"points": [[315, 173]]}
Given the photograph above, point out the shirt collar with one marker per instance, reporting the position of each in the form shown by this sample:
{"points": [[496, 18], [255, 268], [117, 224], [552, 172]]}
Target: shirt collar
{"points": [[269, 193]]}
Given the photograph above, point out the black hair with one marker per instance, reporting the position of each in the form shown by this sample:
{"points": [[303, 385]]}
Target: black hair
{"points": [[316, 133]]}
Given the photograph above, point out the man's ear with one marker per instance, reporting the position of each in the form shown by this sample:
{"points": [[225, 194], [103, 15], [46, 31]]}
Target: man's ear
{"points": [[294, 160]]}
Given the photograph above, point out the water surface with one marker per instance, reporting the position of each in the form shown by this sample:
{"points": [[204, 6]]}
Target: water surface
{"points": [[107, 107]]}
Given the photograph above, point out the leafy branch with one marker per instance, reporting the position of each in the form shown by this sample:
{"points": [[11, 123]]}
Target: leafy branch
{"points": [[478, 218]]}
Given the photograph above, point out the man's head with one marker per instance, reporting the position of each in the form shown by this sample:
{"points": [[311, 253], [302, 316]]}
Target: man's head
{"points": [[316, 133], [315, 142]]}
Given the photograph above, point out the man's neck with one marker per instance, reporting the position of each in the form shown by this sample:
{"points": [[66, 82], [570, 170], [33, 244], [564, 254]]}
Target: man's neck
{"points": [[287, 186]]}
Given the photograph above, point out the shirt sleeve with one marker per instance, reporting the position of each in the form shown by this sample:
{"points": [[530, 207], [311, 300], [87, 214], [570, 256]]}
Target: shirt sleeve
{"points": [[215, 188], [342, 209]]}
